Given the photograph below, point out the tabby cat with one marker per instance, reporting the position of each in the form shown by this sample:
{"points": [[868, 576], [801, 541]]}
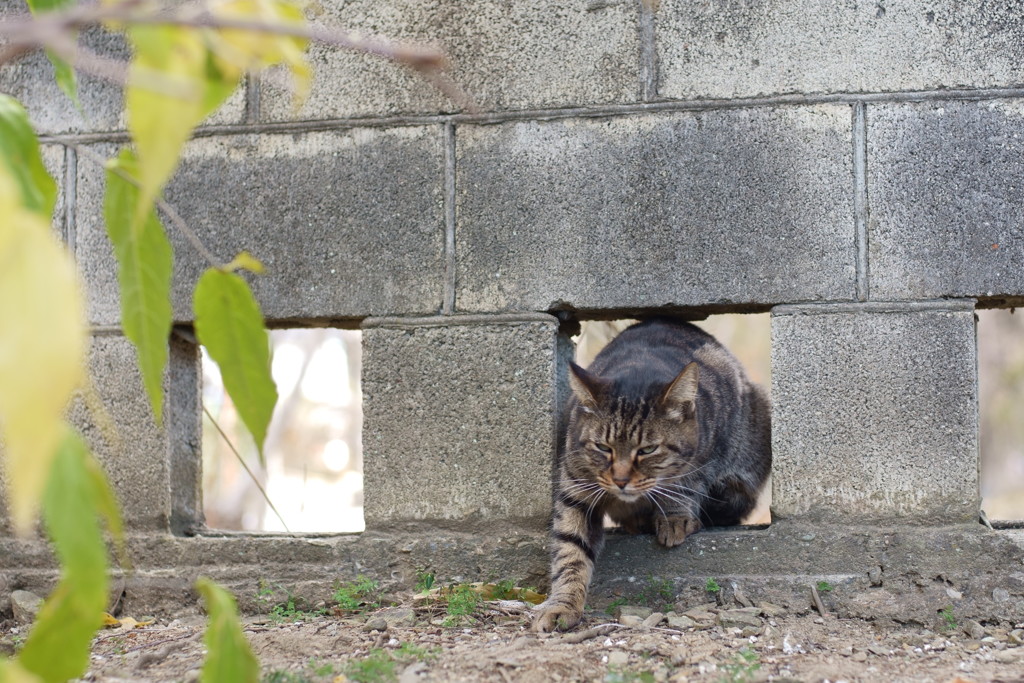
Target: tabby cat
{"points": [[666, 435]]}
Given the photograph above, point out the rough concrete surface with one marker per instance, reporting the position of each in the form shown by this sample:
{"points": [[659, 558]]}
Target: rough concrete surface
{"points": [[458, 421], [946, 204], [874, 415], [803, 46], [131, 448], [504, 55], [722, 207], [348, 223]]}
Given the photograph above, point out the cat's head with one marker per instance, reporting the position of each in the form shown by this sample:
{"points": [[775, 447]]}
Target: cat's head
{"points": [[629, 444]]}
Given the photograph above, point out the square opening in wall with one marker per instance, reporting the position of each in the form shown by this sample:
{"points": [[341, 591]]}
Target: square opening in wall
{"points": [[312, 480], [748, 339], [1001, 401]]}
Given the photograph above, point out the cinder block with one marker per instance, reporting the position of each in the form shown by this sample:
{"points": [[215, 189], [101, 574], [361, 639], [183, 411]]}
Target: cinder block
{"points": [[725, 50], [459, 419], [509, 55], [131, 448], [746, 206], [875, 413], [944, 182], [347, 223]]}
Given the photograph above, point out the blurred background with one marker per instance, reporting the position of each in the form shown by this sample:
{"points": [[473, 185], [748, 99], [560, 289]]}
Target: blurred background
{"points": [[313, 471]]}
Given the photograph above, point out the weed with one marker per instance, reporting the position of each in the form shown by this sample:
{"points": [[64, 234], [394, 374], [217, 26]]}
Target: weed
{"points": [[610, 609], [824, 586], [504, 590], [424, 581], [409, 651], [377, 667], [281, 676], [462, 603], [658, 593], [318, 669], [742, 668], [625, 676], [356, 596], [711, 586], [948, 618]]}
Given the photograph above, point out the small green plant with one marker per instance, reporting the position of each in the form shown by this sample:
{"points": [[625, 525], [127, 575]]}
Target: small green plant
{"points": [[824, 586], [281, 676], [410, 651], [320, 668], [357, 595], [424, 581], [462, 603], [743, 667], [626, 676], [711, 586], [948, 618], [617, 602], [377, 667], [504, 590], [658, 593]]}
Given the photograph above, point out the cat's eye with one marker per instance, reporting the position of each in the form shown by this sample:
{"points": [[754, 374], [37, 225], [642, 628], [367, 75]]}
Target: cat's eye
{"points": [[603, 447], [646, 450]]}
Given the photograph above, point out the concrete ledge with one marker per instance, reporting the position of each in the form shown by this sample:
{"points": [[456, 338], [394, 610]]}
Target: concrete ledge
{"points": [[878, 572], [875, 307]]}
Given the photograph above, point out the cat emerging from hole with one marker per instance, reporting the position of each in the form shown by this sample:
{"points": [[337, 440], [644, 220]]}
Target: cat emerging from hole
{"points": [[666, 435]]}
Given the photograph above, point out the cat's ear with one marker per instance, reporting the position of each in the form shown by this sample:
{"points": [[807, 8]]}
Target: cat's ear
{"points": [[585, 386], [677, 400]]}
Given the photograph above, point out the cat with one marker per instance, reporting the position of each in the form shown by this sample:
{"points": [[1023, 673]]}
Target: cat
{"points": [[666, 435]]}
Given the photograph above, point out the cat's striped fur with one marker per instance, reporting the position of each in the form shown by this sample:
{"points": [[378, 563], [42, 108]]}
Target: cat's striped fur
{"points": [[665, 434]]}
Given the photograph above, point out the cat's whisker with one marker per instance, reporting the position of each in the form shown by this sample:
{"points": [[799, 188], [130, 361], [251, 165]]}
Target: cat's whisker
{"points": [[650, 496]]}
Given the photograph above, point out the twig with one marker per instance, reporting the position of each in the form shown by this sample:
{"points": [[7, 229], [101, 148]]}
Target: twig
{"points": [[602, 630], [164, 207], [818, 605], [246, 468]]}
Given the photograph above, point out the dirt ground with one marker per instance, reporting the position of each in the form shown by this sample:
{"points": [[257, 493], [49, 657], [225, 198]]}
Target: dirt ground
{"points": [[415, 642]]}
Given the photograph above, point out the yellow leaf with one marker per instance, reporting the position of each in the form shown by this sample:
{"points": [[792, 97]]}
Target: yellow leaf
{"points": [[110, 621], [240, 50], [42, 349], [171, 89], [245, 261]]}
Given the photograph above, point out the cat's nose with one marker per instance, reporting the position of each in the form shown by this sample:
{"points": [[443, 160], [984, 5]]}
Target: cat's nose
{"points": [[621, 483]]}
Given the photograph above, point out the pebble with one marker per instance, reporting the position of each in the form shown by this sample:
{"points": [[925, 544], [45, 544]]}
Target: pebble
{"points": [[618, 658], [1000, 594], [740, 618], [860, 656], [1016, 636], [398, 616], [973, 629], [653, 620], [954, 594], [846, 651], [630, 620], [375, 624], [680, 622], [771, 610], [25, 605], [879, 650], [875, 576], [1010, 656], [634, 611]]}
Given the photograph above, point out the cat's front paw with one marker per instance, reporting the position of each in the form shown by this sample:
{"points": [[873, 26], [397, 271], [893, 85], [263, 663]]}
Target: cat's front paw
{"points": [[555, 616], [671, 531]]}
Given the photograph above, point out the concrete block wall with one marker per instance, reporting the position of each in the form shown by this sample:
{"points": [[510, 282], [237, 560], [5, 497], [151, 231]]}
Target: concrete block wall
{"points": [[855, 170]]}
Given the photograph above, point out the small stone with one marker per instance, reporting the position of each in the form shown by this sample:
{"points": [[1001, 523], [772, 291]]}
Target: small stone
{"points": [[681, 622], [618, 658], [1011, 656], [630, 620], [700, 614], [653, 620], [846, 651], [397, 616], [25, 605], [634, 611], [739, 618], [1016, 636], [771, 610], [879, 650], [1000, 594], [875, 576], [375, 624], [973, 629], [954, 594], [740, 597], [860, 656], [972, 645]]}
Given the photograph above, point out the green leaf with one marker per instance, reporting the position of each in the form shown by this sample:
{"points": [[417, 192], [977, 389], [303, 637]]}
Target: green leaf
{"points": [[19, 153], [62, 71], [229, 657], [13, 672], [229, 324], [74, 610], [144, 259]]}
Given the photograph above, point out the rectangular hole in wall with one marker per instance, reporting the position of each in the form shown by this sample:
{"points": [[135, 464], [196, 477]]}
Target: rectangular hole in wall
{"points": [[314, 466], [747, 336], [1001, 404]]}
